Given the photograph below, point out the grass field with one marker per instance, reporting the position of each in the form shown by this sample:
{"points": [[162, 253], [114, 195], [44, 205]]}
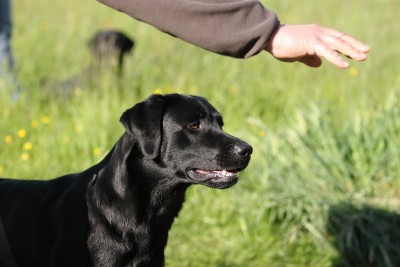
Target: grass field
{"points": [[323, 186]]}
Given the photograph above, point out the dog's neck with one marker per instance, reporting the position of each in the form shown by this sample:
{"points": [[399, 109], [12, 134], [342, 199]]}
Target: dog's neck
{"points": [[137, 210]]}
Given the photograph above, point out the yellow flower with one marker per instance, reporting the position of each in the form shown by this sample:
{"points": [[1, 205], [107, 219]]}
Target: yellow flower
{"points": [[45, 120], [34, 123], [233, 90], [353, 71], [22, 133], [262, 133], [25, 156], [27, 146], [96, 151], [157, 91], [43, 26], [8, 139], [1, 169], [78, 128]]}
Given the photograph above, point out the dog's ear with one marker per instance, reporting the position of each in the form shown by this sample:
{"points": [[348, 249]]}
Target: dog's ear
{"points": [[144, 122]]}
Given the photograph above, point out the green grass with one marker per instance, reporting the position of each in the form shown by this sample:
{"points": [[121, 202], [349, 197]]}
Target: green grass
{"points": [[322, 188]]}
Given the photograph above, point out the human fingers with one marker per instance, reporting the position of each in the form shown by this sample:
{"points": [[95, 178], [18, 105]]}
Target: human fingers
{"points": [[340, 45], [350, 40], [331, 55], [331, 44], [308, 43], [346, 44]]}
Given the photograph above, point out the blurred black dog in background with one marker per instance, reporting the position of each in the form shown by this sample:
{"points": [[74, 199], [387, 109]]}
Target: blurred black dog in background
{"points": [[108, 49]]}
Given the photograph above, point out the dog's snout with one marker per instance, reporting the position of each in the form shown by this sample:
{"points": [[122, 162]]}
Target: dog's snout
{"points": [[243, 149]]}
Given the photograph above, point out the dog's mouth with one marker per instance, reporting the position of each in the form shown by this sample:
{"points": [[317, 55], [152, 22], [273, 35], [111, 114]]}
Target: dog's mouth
{"points": [[214, 178]]}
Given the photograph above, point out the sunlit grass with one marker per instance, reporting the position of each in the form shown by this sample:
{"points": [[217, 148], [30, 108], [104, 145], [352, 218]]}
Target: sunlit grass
{"points": [[321, 137]]}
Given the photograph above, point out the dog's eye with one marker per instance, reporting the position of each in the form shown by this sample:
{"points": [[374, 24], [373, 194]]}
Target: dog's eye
{"points": [[194, 125]]}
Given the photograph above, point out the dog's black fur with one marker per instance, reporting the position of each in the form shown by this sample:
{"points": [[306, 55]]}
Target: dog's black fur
{"points": [[118, 212]]}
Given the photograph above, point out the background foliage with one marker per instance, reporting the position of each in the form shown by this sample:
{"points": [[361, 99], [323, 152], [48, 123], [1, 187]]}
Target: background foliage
{"points": [[322, 188]]}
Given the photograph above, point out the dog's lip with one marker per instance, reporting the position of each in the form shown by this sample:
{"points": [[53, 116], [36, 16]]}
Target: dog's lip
{"points": [[214, 178], [210, 174]]}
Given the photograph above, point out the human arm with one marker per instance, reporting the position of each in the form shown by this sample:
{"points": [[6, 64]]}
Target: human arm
{"points": [[236, 28], [243, 28]]}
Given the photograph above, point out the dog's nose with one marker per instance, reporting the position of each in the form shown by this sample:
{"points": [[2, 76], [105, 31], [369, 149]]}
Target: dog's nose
{"points": [[243, 150]]}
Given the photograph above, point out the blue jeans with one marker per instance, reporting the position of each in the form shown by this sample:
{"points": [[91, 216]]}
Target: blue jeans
{"points": [[6, 57]]}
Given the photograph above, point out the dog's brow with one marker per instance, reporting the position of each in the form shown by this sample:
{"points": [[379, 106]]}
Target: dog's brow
{"points": [[201, 114], [219, 119]]}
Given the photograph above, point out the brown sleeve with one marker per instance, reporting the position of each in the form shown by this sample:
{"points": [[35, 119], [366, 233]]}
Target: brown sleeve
{"points": [[235, 28]]}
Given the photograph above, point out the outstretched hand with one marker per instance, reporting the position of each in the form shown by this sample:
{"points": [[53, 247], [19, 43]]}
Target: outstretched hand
{"points": [[308, 43]]}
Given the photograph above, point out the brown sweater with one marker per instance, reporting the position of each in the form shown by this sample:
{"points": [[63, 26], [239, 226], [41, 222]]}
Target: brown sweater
{"points": [[235, 28]]}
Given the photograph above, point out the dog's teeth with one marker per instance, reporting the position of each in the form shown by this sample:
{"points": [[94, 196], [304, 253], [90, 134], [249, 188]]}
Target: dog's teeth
{"points": [[221, 173]]}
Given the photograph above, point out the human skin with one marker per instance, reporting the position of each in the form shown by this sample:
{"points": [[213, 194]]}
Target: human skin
{"points": [[308, 44]]}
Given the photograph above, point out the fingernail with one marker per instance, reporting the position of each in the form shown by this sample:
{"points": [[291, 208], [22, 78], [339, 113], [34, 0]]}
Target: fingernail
{"points": [[362, 56], [366, 48]]}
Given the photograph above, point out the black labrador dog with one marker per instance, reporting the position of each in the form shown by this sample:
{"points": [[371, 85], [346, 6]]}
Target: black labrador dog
{"points": [[118, 212]]}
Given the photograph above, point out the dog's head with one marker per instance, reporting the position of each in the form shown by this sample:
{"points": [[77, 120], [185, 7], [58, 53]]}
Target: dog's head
{"points": [[105, 42], [109, 47], [184, 135]]}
